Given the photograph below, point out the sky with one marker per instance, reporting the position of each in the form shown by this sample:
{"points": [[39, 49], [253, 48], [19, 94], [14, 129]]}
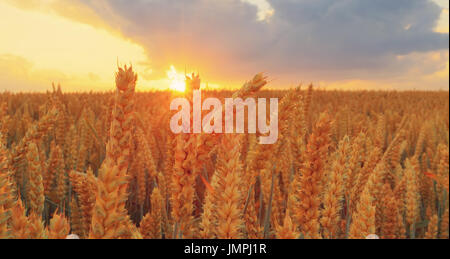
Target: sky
{"points": [[343, 44]]}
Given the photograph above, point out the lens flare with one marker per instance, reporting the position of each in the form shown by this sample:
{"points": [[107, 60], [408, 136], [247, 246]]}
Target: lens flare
{"points": [[177, 81]]}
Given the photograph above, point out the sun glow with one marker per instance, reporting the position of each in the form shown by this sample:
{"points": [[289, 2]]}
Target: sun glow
{"points": [[177, 80], [82, 58]]}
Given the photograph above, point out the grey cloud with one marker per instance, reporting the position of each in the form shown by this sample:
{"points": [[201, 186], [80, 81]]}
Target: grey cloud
{"points": [[364, 27], [324, 38]]}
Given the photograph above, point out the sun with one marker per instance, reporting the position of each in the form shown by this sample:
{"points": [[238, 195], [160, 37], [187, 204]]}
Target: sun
{"points": [[177, 81]]}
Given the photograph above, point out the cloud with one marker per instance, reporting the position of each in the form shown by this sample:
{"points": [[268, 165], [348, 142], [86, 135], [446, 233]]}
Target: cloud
{"points": [[423, 71], [321, 39], [81, 56], [17, 74], [359, 32], [70, 9]]}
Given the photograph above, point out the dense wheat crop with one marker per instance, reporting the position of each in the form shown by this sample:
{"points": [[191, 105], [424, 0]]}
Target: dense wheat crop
{"points": [[106, 165]]}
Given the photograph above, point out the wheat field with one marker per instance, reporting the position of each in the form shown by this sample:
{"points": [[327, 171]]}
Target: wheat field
{"points": [[106, 166]]}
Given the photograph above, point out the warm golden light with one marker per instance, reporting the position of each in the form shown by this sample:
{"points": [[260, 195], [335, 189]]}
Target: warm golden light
{"points": [[67, 60], [177, 81]]}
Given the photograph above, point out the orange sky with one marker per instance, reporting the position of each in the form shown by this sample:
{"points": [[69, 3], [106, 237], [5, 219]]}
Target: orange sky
{"points": [[45, 41]]}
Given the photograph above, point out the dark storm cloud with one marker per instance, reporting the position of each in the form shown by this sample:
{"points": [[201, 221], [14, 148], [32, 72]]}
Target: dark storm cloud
{"points": [[357, 30], [326, 38]]}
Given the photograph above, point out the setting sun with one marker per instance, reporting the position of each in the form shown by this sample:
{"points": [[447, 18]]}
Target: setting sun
{"points": [[177, 80]]}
